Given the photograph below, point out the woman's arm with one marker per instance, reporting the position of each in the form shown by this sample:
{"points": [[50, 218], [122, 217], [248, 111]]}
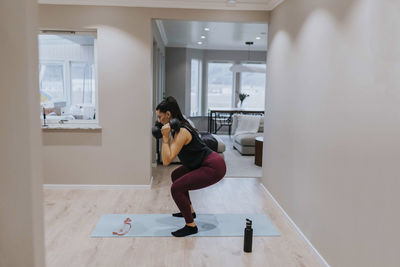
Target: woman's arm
{"points": [[172, 146]]}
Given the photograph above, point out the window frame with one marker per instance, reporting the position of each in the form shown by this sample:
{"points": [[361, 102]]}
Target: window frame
{"points": [[70, 78], [67, 75], [241, 75], [233, 81], [199, 86]]}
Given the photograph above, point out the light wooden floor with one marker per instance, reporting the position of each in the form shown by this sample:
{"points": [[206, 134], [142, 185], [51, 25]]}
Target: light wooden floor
{"points": [[71, 215]]}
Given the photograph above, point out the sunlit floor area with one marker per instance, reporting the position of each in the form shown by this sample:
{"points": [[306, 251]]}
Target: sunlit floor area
{"points": [[71, 215]]}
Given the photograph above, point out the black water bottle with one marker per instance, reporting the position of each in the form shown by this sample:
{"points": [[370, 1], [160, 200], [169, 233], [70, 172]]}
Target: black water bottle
{"points": [[248, 236]]}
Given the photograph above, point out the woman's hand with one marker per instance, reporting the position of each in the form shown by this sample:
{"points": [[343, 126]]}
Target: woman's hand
{"points": [[166, 130]]}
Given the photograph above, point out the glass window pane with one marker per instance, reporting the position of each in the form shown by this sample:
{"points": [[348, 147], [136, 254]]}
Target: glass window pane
{"points": [[253, 84], [220, 85], [51, 82], [82, 83]]}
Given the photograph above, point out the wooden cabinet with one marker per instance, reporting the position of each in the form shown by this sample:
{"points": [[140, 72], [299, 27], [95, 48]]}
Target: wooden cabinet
{"points": [[258, 151]]}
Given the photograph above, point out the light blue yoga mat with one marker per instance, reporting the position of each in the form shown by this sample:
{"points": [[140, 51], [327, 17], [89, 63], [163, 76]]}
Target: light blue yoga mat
{"points": [[151, 225]]}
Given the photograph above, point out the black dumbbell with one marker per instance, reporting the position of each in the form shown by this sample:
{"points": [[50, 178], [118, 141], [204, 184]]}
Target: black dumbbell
{"points": [[156, 130], [175, 125]]}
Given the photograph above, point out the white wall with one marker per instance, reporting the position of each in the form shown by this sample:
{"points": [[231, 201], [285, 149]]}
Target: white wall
{"points": [[331, 153], [121, 152], [176, 75], [21, 200]]}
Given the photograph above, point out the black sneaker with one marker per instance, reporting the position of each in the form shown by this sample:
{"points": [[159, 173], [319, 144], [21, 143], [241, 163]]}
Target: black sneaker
{"points": [[179, 214], [185, 231]]}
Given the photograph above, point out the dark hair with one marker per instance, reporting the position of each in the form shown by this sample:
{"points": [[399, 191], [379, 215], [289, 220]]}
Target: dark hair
{"points": [[170, 104]]}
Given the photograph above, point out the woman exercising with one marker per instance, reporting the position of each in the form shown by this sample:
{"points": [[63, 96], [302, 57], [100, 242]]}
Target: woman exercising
{"points": [[202, 167]]}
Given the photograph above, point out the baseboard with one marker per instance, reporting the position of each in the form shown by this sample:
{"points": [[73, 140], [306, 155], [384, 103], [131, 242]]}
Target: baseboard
{"points": [[296, 228], [97, 186]]}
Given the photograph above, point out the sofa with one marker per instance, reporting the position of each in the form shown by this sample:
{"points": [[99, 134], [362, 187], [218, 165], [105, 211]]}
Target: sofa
{"points": [[245, 129]]}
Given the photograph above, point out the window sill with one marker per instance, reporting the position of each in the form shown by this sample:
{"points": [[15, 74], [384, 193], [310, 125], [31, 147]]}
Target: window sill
{"points": [[72, 127]]}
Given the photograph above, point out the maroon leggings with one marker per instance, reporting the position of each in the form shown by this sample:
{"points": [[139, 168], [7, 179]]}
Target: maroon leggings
{"points": [[211, 171]]}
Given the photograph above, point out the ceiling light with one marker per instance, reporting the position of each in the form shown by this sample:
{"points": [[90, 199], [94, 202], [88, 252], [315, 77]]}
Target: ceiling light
{"points": [[231, 2], [258, 38], [242, 68], [199, 43], [207, 29], [203, 37]]}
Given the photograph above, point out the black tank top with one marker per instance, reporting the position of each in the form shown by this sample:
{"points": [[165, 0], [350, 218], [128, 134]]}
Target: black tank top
{"points": [[193, 154]]}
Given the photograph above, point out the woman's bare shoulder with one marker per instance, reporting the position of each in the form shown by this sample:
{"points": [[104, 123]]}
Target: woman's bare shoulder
{"points": [[185, 134]]}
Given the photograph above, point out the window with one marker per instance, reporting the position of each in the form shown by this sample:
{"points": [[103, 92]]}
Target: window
{"points": [[195, 88], [51, 79], [67, 80], [253, 84], [220, 85], [82, 83]]}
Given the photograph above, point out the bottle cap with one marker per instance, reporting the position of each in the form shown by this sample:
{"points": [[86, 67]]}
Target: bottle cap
{"points": [[248, 222]]}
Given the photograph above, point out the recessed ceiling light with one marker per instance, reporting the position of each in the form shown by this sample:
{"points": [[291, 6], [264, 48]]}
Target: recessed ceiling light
{"points": [[258, 38], [207, 29], [203, 37], [199, 43]]}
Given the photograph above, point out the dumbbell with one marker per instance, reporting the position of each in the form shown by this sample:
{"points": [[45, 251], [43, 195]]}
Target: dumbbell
{"points": [[156, 130], [175, 126]]}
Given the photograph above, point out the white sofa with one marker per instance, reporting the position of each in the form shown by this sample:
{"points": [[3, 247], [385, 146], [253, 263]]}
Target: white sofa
{"points": [[244, 141]]}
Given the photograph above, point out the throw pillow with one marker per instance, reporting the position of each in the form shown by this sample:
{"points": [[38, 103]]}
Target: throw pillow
{"points": [[248, 124]]}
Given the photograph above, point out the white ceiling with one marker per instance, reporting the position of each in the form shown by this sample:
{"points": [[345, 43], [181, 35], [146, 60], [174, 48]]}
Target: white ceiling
{"points": [[198, 4], [221, 35]]}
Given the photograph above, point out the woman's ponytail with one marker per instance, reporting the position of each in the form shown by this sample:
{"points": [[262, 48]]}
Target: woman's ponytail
{"points": [[170, 104]]}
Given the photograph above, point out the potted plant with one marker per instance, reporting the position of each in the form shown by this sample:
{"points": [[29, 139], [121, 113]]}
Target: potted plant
{"points": [[242, 97]]}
